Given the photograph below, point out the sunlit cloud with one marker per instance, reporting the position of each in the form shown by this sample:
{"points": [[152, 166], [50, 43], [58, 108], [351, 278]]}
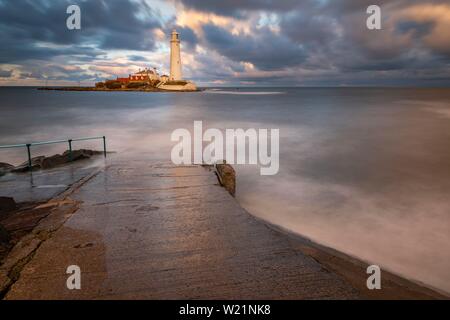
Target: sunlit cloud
{"points": [[196, 20], [437, 16]]}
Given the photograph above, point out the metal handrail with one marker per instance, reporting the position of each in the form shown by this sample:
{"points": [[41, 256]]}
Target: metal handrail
{"points": [[69, 141]]}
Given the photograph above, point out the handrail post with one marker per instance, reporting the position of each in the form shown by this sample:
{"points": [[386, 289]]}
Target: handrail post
{"points": [[29, 156], [104, 146], [70, 150]]}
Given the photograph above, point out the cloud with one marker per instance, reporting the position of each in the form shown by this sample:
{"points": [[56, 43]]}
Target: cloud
{"points": [[264, 50], [37, 29], [430, 23], [237, 7], [139, 58]]}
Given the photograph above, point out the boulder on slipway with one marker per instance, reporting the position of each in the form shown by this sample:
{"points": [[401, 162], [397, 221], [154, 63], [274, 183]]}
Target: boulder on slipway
{"points": [[227, 177]]}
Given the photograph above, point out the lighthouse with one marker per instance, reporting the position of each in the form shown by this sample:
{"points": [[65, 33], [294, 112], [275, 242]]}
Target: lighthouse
{"points": [[175, 82], [175, 59]]}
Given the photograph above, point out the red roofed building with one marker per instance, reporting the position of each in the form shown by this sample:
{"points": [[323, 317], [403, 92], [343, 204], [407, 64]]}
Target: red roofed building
{"points": [[123, 80], [147, 76]]}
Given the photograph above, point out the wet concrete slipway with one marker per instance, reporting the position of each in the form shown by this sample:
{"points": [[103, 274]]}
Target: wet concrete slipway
{"points": [[142, 230]]}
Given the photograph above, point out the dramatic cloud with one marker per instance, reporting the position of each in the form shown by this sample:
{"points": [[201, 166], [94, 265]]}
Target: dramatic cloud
{"points": [[239, 7], [245, 42], [112, 24], [265, 50], [323, 41]]}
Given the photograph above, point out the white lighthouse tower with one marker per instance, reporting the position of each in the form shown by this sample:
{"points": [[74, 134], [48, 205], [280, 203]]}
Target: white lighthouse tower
{"points": [[175, 82], [175, 59]]}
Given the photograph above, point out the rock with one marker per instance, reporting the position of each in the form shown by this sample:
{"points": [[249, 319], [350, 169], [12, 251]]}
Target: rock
{"points": [[227, 177], [42, 162], [35, 164], [7, 204], [53, 161], [4, 235], [81, 154], [5, 168]]}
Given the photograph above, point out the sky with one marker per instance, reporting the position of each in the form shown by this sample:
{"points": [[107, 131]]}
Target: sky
{"points": [[228, 43]]}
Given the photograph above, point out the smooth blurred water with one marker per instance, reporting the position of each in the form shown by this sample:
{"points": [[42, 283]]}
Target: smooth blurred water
{"points": [[365, 171]]}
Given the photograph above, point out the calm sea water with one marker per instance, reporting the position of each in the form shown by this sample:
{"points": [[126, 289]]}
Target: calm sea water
{"points": [[365, 171]]}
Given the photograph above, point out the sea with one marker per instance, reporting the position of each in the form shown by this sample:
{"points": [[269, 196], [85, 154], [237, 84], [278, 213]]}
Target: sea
{"points": [[365, 171]]}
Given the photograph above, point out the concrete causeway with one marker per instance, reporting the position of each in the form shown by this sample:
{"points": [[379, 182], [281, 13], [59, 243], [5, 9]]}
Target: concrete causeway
{"points": [[156, 231]]}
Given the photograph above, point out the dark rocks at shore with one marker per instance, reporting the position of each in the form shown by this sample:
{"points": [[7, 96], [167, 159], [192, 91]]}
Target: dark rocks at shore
{"points": [[5, 168], [35, 164], [4, 236], [42, 162], [227, 177], [146, 89], [7, 204]]}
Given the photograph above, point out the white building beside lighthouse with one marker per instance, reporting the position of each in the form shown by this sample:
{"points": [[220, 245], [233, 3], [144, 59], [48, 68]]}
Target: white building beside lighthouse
{"points": [[175, 81]]}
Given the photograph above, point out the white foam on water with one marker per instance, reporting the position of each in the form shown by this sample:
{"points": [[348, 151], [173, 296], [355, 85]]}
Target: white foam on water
{"points": [[244, 92], [443, 112], [50, 186]]}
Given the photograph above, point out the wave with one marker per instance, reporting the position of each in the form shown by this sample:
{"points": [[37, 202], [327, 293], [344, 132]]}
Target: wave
{"points": [[244, 92], [443, 112]]}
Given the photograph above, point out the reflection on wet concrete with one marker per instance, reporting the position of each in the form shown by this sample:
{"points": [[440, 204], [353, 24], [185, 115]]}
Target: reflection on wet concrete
{"points": [[42, 185]]}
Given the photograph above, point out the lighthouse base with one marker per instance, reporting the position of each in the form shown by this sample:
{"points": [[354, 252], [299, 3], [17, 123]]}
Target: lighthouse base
{"points": [[179, 85]]}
